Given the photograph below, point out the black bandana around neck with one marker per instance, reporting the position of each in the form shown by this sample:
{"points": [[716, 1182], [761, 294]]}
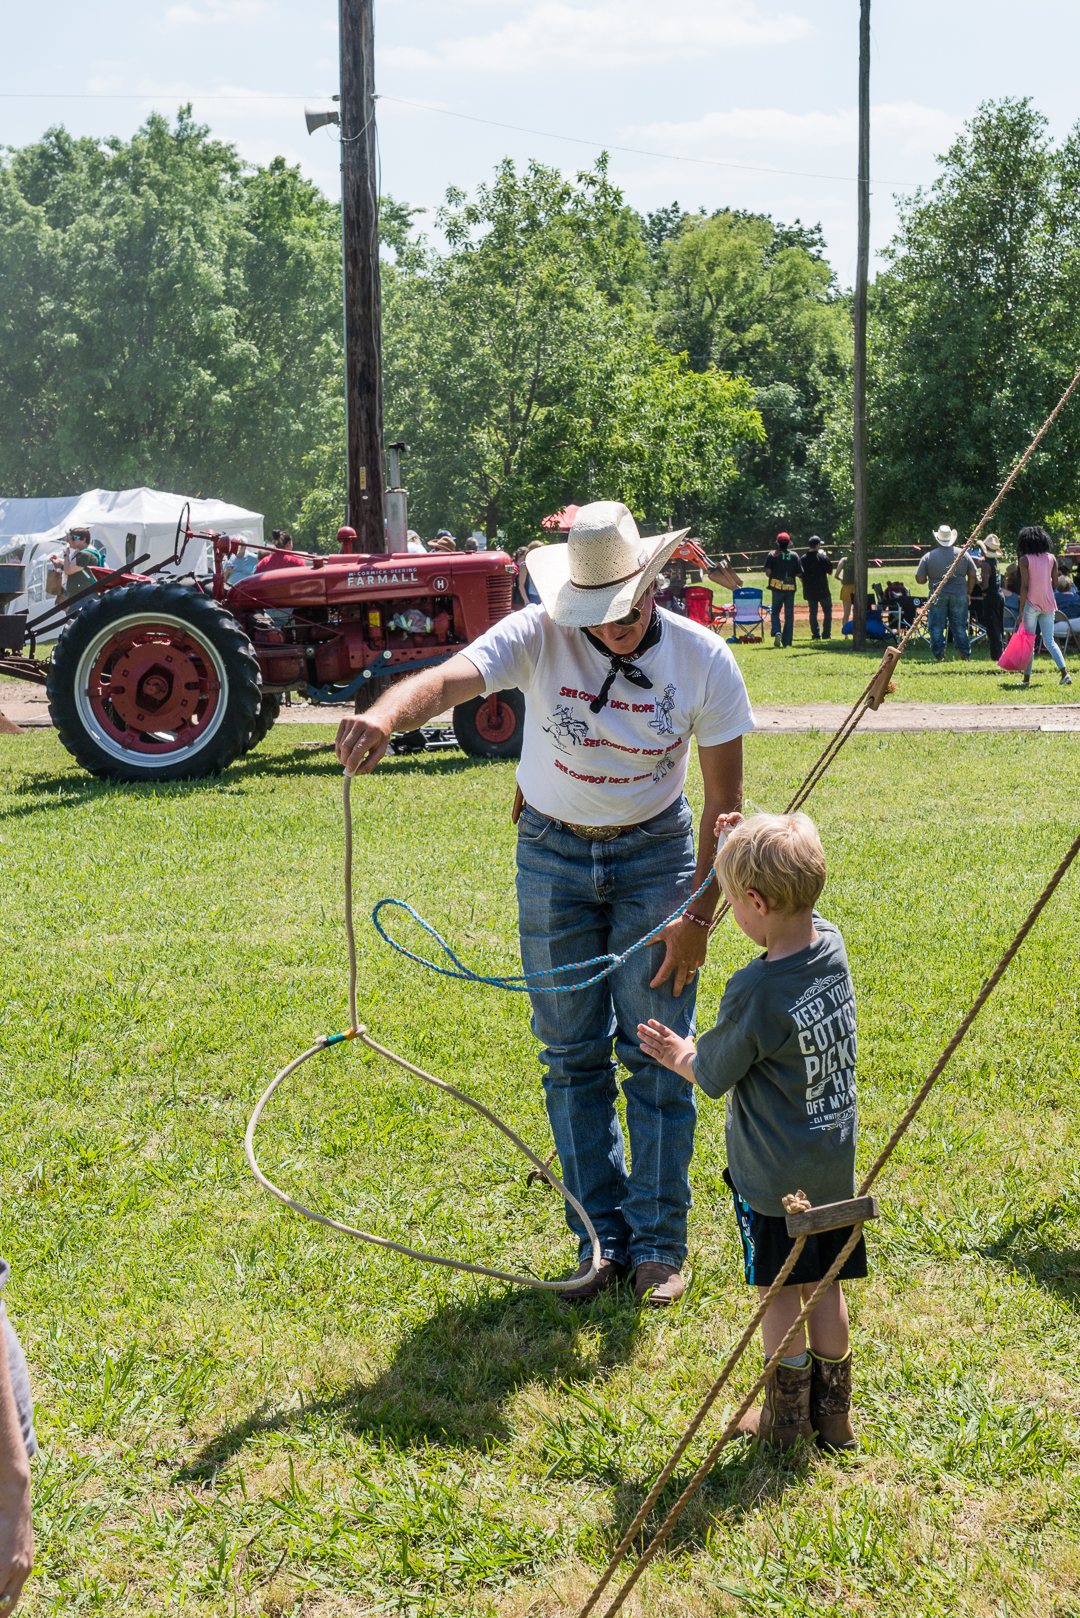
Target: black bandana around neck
{"points": [[623, 665]]}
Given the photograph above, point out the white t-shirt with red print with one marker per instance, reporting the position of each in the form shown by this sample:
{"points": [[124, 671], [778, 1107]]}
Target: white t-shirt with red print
{"points": [[628, 762]]}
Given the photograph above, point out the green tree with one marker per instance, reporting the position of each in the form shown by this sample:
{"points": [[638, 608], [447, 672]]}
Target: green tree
{"points": [[737, 291], [975, 329], [521, 371], [170, 316]]}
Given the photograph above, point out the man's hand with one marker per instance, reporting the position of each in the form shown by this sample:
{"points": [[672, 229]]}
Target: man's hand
{"points": [[668, 1048], [362, 740], [686, 946], [361, 743]]}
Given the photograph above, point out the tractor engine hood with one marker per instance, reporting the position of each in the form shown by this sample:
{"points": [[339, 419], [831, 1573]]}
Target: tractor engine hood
{"points": [[336, 580]]}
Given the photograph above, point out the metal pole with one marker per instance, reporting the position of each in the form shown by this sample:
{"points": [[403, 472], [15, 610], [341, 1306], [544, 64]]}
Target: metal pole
{"points": [[861, 273], [360, 252]]}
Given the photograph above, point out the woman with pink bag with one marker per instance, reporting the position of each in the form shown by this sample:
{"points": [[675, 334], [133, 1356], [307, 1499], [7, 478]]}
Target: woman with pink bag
{"points": [[1038, 581]]}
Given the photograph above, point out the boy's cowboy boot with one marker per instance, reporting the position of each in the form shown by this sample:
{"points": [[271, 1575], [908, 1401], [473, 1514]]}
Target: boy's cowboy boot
{"points": [[784, 1417], [830, 1403]]}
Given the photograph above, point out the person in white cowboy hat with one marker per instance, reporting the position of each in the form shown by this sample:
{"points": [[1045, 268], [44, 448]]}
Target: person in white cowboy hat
{"points": [[991, 608], [614, 691], [950, 611]]}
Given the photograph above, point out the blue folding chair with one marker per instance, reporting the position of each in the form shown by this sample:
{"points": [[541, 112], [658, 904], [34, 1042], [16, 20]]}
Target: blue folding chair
{"points": [[750, 615]]}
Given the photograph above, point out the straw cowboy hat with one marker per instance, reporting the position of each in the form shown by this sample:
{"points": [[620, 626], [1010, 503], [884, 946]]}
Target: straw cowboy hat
{"points": [[944, 535], [602, 570], [991, 545]]}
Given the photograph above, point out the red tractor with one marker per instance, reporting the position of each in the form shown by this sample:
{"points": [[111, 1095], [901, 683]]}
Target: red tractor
{"points": [[162, 681]]}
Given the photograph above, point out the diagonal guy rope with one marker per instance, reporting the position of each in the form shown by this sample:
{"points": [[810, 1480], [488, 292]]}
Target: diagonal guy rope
{"points": [[706, 1466], [874, 689]]}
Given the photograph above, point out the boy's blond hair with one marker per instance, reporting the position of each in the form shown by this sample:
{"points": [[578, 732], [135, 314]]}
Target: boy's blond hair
{"points": [[779, 856]]}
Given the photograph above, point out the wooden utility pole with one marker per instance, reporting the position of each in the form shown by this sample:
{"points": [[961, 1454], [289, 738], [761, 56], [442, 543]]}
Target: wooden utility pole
{"points": [[360, 253], [861, 273]]}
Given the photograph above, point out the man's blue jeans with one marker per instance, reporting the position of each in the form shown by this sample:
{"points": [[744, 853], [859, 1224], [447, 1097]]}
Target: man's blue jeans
{"points": [[578, 899], [951, 610]]}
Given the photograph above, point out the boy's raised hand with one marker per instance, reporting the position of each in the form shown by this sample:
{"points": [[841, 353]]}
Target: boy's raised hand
{"points": [[668, 1048], [726, 824]]}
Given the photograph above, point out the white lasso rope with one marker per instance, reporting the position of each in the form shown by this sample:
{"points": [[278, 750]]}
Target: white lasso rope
{"points": [[357, 1031]]}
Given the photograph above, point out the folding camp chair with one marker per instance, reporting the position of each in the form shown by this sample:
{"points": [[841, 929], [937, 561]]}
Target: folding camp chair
{"points": [[923, 631], [1066, 628], [702, 609], [750, 617]]}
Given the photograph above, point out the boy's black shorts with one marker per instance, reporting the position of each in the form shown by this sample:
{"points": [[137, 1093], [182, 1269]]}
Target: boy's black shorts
{"points": [[766, 1244]]}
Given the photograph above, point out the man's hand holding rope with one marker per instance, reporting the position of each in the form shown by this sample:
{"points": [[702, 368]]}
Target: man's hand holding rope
{"points": [[362, 740]]}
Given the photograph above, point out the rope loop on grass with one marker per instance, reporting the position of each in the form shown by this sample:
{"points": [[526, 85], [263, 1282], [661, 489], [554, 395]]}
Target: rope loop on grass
{"points": [[358, 1031]]}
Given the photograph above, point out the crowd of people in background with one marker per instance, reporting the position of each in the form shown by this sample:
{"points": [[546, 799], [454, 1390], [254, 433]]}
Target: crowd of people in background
{"points": [[1035, 592]]}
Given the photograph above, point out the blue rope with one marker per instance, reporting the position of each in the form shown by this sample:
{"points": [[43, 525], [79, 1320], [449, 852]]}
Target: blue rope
{"points": [[521, 982]]}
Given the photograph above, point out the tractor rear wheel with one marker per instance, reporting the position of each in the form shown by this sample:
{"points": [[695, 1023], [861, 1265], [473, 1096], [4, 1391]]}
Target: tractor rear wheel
{"points": [[154, 682], [491, 727]]}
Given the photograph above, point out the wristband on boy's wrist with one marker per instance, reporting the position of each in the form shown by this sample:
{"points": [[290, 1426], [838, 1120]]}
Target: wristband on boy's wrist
{"points": [[700, 921]]}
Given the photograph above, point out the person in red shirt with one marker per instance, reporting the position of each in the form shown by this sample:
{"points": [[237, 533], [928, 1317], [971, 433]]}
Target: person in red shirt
{"points": [[282, 555]]}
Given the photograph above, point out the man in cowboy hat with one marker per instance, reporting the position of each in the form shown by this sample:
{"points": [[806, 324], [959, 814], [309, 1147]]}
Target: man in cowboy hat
{"points": [[951, 608], [614, 690]]}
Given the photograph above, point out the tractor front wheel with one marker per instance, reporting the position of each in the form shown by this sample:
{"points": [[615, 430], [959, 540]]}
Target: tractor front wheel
{"points": [[154, 682], [491, 727]]}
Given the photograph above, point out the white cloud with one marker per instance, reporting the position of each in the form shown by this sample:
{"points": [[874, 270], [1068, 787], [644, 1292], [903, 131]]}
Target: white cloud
{"points": [[215, 11], [900, 133], [617, 33]]}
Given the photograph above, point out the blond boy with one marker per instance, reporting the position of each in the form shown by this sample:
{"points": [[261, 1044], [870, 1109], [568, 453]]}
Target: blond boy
{"points": [[783, 1053]]}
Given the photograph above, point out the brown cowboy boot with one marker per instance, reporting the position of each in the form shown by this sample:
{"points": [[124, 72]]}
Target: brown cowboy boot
{"points": [[609, 1275], [784, 1417], [657, 1285], [830, 1403]]}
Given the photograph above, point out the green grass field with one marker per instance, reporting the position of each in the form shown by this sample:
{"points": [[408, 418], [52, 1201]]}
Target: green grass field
{"points": [[241, 1413]]}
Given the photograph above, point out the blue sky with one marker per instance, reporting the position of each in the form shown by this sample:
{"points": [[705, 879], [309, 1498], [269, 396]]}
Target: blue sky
{"points": [[747, 86]]}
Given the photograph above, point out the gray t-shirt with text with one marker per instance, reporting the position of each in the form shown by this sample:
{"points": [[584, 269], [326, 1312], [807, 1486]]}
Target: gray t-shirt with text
{"points": [[783, 1051], [936, 563]]}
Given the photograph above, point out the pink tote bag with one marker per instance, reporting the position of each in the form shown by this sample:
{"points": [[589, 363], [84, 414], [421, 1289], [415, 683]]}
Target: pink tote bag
{"points": [[1017, 654]]}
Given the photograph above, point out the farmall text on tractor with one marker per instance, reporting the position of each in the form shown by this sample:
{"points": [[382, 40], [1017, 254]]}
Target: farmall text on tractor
{"points": [[165, 680]]}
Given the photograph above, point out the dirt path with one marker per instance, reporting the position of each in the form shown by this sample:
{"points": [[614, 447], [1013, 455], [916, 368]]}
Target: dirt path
{"points": [[825, 716], [25, 704], [914, 716]]}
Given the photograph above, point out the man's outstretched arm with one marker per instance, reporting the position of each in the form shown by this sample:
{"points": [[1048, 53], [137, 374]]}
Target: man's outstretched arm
{"points": [[362, 739], [16, 1529]]}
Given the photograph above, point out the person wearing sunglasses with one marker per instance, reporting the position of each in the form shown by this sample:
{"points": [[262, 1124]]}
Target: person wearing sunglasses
{"points": [[615, 689]]}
